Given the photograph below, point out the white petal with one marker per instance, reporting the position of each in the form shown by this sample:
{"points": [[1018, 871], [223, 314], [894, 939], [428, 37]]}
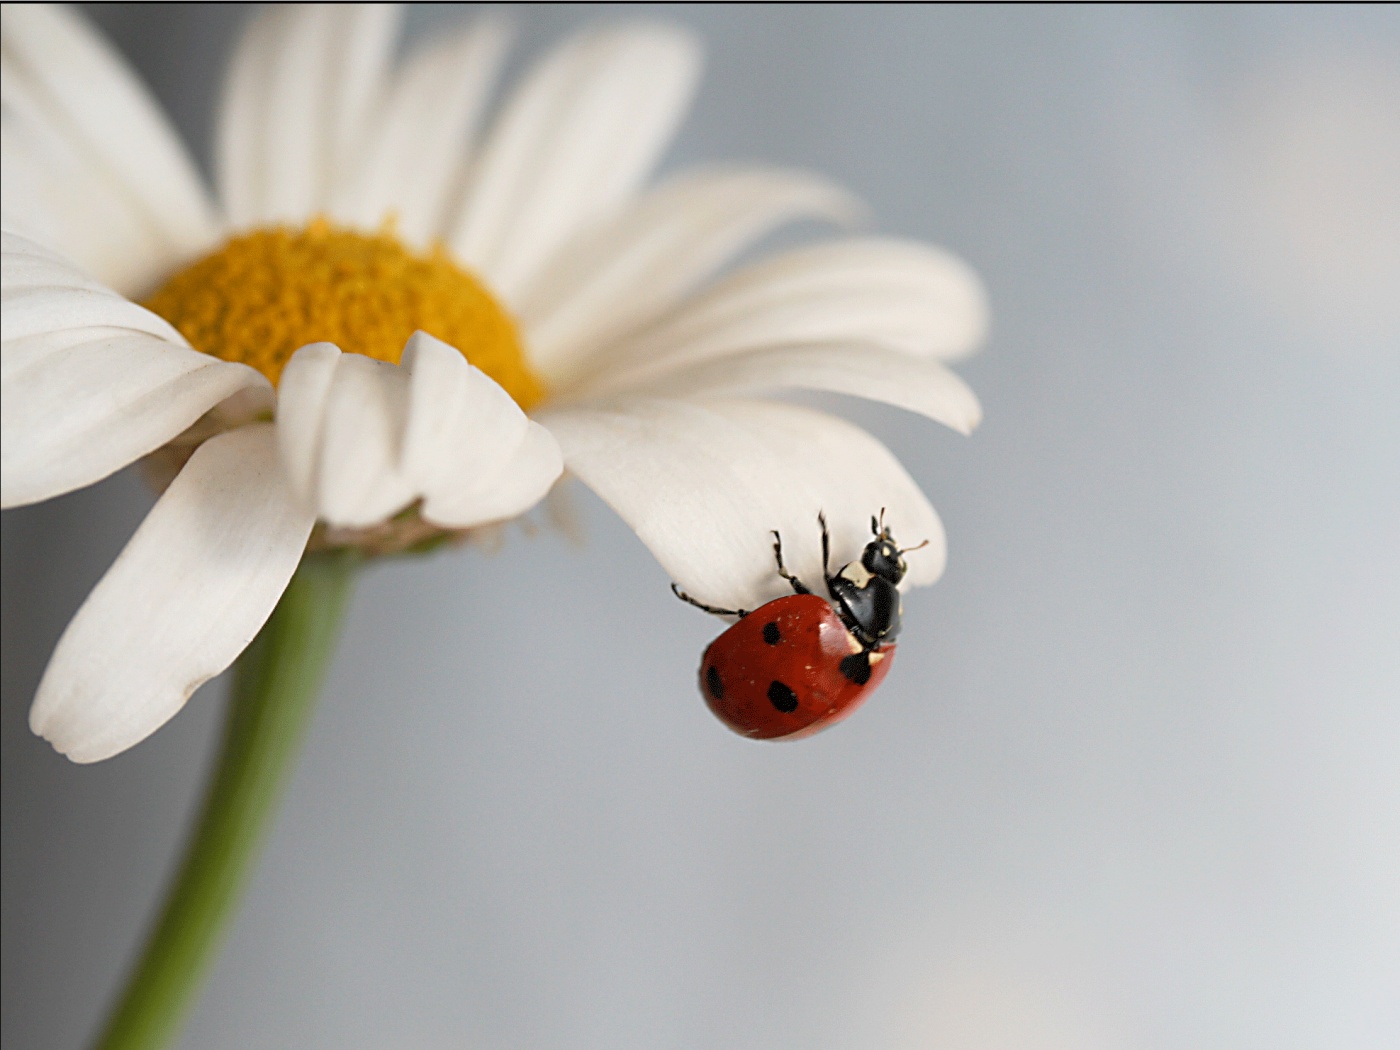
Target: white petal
{"points": [[43, 293], [81, 404], [27, 263], [93, 101], [300, 89], [413, 161], [362, 439], [573, 143], [854, 472], [913, 383], [520, 481], [35, 310], [301, 408], [360, 481], [190, 591], [469, 450], [454, 406], [89, 381], [238, 131], [53, 194], [896, 294], [342, 435], [630, 269], [364, 52], [704, 485]]}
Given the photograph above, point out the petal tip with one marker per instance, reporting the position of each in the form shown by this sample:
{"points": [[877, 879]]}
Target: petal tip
{"points": [[62, 734], [972, 420]]}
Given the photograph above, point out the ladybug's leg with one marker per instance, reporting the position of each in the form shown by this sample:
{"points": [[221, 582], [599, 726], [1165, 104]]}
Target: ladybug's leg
{"points": [[826, 559], [797, 585], [708, 608]]}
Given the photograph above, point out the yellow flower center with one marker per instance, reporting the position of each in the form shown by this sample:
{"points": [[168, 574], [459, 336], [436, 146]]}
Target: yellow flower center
{"points": [[267, 293]]}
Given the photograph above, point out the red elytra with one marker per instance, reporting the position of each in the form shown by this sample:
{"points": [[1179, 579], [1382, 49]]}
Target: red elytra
{"points": [[777, 672]]}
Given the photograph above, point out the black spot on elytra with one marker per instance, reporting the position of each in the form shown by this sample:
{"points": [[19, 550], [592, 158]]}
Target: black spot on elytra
{"points": [[771, 634], [712, 680], [856, 667], [784, 699]]}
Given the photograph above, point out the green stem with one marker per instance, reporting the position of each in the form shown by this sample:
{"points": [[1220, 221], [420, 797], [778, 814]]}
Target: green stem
{"points": [[274, 692]]}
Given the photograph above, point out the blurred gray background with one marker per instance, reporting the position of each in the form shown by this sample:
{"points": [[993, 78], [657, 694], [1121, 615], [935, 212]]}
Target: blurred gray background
{"points": [[1135, 781]]}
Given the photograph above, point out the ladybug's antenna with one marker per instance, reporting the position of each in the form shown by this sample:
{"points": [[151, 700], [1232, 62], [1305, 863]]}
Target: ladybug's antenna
{"points": [[878, 527], [906, 550]]}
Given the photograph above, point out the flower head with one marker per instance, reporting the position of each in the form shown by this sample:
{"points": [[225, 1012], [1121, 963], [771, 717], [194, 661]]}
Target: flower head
{"points": [[384, 327]]}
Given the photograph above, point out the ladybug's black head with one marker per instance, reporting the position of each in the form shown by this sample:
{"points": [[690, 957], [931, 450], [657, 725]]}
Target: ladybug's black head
{"points": [[882, 556]]}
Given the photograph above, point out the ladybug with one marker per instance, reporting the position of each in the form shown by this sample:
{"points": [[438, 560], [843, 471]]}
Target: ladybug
{"points": [[801, 663]]}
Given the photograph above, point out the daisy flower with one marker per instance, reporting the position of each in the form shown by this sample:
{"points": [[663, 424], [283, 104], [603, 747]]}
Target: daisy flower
{"points": [[384, 326]]}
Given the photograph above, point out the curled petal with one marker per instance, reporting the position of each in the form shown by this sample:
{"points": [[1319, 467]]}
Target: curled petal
{"points": [[359, 481], [363, 439], [703, 486], [518, 483], [188, 593], [469, 450], [340, 420], [630, 269], [574, 141], [301, 409]]}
